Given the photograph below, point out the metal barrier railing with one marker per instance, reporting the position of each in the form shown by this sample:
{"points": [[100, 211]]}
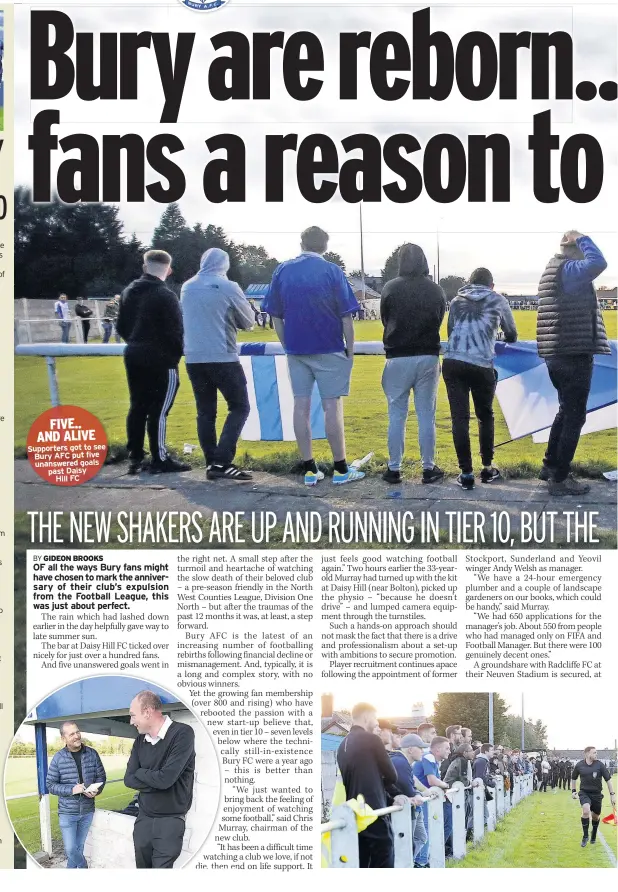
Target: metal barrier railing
{"points": [[344, 833]]}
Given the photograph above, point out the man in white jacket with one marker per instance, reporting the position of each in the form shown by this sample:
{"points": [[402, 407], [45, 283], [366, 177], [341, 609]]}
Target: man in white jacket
{"points": [[213, 309]]}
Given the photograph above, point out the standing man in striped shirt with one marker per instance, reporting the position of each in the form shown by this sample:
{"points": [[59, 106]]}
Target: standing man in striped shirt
{"points": [[150, 321]]}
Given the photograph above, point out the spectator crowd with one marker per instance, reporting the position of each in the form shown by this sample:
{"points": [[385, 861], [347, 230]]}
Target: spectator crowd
{"points": [[385, 766], [311, 307]]}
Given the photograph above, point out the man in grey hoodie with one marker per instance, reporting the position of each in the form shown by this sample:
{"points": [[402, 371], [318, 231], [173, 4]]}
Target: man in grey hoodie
{"points": [[476, 314], [213, 310]]}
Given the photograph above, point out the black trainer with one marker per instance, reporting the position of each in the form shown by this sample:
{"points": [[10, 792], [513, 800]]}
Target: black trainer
{"points": [[545, 473], [391, 476], [490, 475], [228, 472], [584, 842], [168, 466], [433, 475], [135, 467], [466, 481]]}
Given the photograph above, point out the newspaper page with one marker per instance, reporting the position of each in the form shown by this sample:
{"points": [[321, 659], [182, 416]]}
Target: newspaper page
{"points": [[312, 420]]}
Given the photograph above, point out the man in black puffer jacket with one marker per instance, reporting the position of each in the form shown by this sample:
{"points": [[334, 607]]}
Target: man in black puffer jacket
{"points": [[570, 331]]}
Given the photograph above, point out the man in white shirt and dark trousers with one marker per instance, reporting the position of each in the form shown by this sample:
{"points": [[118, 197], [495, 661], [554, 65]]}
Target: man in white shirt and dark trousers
{"points": [[63, 314], [161, 766]]}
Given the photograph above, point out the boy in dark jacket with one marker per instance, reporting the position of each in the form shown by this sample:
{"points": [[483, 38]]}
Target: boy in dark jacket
{"points": [[412, 308], [72, 770], [458, 769], [569, 331], [150, 321], [481, 768]]}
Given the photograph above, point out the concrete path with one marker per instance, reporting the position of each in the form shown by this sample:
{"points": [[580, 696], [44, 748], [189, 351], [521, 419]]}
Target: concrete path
{"points": [[114, 490]]}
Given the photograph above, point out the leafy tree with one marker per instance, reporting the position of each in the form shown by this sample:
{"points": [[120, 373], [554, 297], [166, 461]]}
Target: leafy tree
{"points": [[186, 245], [535, 734], [79, 249], [172, 226], [540, 733], [451, 285], [356, 274], [21, 748], [333, 257], [472, 711], [255, 265]]}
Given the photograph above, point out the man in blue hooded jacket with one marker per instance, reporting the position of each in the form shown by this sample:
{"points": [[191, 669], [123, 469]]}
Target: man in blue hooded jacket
{"points": [[213, 309], [72, 770]]}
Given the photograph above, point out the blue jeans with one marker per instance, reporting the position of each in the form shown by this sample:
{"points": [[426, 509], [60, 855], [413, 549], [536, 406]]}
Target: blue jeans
{"points": [[74, 829], [108, 328], [448, 826], [422, 857], [65, 328], [419, 834], [419, 374]]}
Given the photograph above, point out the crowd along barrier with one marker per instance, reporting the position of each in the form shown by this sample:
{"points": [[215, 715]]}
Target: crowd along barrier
{"points": [[344, 834]]}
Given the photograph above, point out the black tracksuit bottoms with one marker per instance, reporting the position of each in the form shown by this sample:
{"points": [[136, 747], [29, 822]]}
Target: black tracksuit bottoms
{"points": [[152, 389], [461, 380], [157, 841], [376, 851]]}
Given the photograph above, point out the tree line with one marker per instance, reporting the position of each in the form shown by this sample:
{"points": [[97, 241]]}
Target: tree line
{"points": [[83, 250], [110, 746], [472, 711]]}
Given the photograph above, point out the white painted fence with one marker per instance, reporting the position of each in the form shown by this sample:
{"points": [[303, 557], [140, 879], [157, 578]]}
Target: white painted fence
{"points": [[344, 834]]}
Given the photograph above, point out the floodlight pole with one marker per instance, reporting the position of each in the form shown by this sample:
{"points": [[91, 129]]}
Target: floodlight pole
{"points": [[362, 253], [523, 725], [491, 718]]}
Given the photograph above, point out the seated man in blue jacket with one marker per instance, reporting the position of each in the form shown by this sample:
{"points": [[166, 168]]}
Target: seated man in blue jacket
{"points": [[569, 331], [71, 772]]}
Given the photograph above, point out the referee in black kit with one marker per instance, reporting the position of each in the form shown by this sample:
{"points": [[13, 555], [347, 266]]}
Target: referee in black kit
{"points": [[150, 321], [591, 773]]}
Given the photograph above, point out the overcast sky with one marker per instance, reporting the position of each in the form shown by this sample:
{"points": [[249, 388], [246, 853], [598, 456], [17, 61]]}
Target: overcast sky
{"points": [[514, 240], [570, 725]]}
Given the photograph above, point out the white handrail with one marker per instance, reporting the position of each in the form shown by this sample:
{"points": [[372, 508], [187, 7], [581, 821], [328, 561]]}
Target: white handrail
{"points": [[486, 815]]}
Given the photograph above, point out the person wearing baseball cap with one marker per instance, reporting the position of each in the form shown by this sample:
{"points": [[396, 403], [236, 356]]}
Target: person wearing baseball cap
{"points": [[411, 751], [569, 331]]}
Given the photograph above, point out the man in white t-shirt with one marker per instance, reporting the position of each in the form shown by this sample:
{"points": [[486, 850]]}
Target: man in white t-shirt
{"points": [[61, 309], [545, 769]]}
